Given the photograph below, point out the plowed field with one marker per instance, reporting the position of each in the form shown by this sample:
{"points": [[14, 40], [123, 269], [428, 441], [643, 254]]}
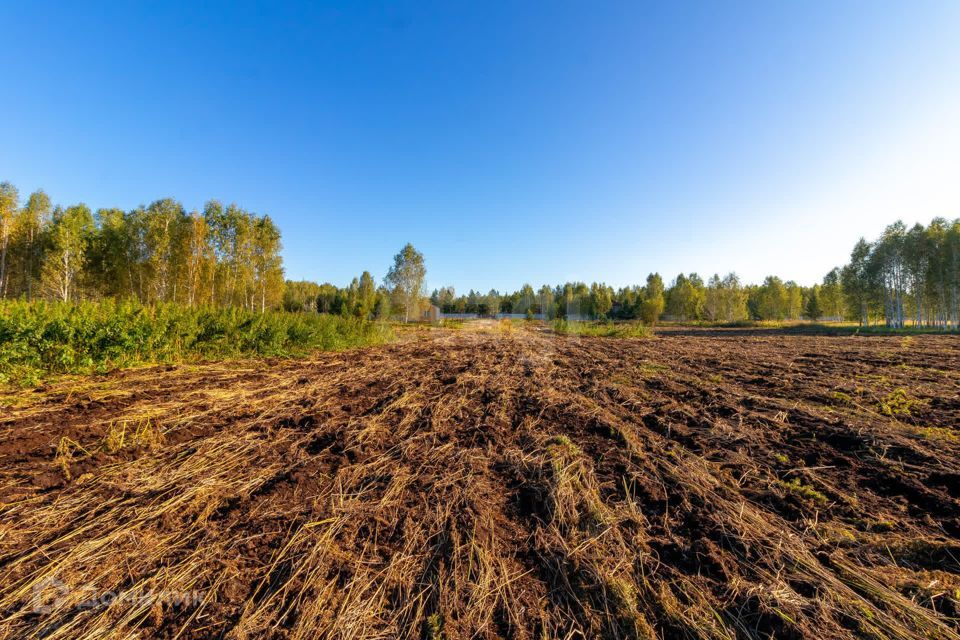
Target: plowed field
{"points": [[478, 484]]}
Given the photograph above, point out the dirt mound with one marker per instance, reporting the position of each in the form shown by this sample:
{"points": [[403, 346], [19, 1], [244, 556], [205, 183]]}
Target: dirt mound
{"points": [[488, 485]]}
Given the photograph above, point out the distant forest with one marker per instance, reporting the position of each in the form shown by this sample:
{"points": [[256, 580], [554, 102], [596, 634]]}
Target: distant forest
{"points": [[222, 256], [907, 276], [226, 256]]}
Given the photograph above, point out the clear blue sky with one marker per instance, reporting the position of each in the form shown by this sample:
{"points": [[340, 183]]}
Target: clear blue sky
{"points": [[510, 142]]}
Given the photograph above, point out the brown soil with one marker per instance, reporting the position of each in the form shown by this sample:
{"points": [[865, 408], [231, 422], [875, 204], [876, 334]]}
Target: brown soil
{"points": [[475, 484]]}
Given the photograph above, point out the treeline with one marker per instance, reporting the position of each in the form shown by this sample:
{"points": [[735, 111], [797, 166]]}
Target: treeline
{"points": [[225, 256], [400, 296], [361, 299], [687, 298], [906, 276], [222, 256]]}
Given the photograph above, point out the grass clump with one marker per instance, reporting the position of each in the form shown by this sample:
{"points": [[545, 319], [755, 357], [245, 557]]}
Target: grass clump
{"points": [[841, 397], [434, 627], [938, 433], [67, 450], [125, 435], [451, 323], [144, 434], [898, 402], [575, 495], [803, 491], [41, 338]]}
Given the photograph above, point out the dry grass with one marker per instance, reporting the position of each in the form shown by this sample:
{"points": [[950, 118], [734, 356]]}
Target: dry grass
{"points": [[475, 485]]}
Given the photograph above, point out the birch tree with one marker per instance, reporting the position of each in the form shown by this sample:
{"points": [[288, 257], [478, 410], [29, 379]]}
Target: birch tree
{"points": [[9, 200], [70, 234], [405, 280]]}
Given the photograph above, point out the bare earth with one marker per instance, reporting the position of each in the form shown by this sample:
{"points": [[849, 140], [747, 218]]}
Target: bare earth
{"points": [[478, 484]]}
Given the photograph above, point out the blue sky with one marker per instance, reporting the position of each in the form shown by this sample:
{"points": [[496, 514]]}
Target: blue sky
{"points": [[510, 142]]}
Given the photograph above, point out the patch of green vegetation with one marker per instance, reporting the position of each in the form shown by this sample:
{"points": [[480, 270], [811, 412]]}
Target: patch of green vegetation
{"points": [[435, 626], [735, 324], [650, 369], [837, 534], [39, 338], [898, 402], [14, 401], [841, 397], [561, 446], [603, 329], [939, 433], [874, 526], [804, 491], [903, 366], [782, 459]]}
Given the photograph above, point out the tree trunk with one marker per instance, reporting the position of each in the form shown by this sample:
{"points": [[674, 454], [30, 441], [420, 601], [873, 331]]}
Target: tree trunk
{"points": [[65, 289], [3, 263], [28, 278]]}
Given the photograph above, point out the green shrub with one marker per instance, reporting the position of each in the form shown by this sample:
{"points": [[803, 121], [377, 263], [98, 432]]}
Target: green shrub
{"points": [[39, 338]]}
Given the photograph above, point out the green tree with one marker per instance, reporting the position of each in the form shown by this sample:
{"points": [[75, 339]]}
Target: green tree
{"points": [[772, 299], [831, 295], [812, 308], [300, 295], [70, 234], [157, 237], [601, 299], [267, 265], [917, 252], [858, 283], [199, 261], [654, 302], [887, 265], [28, 243], [725, 299], [444, 298], [685, 298], [546, 302], [491, 303], [381, 309], [526, 301], [405, 280], [327, 298], [794, 300], [9, 201], [108, 261], [366, 296]]}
